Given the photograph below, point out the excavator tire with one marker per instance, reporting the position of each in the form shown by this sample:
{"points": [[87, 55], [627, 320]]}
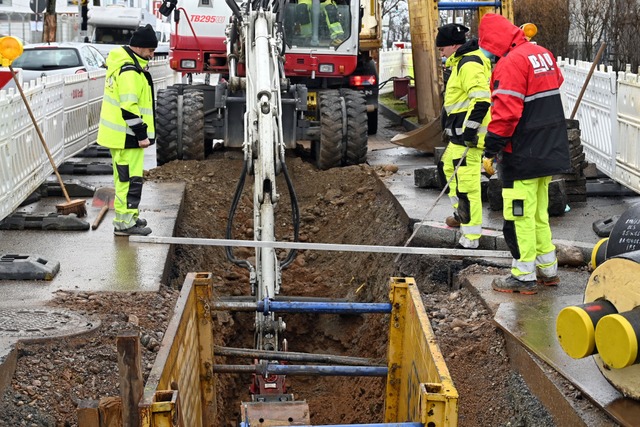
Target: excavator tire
{"points": [[193, 146], [356, 105], [166, 125], [329, 150]]}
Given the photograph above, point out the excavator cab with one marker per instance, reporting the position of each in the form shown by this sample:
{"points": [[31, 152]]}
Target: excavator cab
{"points": [[316, 24]]}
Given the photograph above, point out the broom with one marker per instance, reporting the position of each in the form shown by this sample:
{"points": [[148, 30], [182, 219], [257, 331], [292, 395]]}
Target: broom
{"points": [[71, 206]]}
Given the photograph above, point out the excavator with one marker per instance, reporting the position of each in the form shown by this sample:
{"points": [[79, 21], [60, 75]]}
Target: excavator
{"points": [[328, 86]]}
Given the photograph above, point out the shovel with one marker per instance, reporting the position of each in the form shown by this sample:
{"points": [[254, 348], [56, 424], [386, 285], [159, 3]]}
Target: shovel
{"points": [[102, 198]]}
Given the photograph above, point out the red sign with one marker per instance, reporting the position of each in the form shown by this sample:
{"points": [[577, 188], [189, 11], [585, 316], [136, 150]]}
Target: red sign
{"points": [[5, 76]]}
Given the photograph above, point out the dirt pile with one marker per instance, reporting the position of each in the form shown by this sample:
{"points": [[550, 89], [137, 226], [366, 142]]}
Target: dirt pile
{"points": [[348, 205]]}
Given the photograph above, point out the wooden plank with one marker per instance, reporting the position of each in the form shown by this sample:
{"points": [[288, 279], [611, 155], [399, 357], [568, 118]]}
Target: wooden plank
{"points": [[130, 372], [88, 413]]}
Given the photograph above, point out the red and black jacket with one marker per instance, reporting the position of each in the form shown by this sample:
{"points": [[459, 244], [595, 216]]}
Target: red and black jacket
{"points": [[528, 125]]}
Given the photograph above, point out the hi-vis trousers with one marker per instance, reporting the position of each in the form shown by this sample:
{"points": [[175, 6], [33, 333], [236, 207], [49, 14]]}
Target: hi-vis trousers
{"points": [[526, 228], [464, 188], [128, 169]]}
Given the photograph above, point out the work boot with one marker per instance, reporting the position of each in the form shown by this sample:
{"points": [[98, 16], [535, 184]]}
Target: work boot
{"points": [[512, 285], [453, 221], [141, 222], [542, 279], [136, 230], [547, 281]]}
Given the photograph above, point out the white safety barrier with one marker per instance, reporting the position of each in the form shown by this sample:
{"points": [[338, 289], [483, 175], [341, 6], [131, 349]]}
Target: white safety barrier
{"points": [[627, 171], [596, 111], [67, 112]]}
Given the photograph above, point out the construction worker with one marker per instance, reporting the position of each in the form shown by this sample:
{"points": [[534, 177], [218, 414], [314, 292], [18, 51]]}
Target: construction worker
{"points": [[127, 125], [329, 12], [528, 137], [466, 105]]}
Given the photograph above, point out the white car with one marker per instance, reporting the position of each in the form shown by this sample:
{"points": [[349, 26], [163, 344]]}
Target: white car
{"points": [[48, 59]]}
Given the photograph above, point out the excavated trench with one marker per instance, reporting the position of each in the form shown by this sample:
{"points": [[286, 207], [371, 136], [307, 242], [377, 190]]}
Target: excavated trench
{"points": [[349, 205]]}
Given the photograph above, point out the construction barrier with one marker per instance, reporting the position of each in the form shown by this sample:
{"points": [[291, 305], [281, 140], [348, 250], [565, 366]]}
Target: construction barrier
{"points": [[419, 386], [181, 385], [67, 110]]}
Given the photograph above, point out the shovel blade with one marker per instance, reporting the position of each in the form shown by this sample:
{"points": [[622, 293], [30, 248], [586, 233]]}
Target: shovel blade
{"points": [[103, 196]]}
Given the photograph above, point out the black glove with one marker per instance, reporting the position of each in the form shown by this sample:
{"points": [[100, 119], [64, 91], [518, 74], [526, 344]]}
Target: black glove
{"points": [[470, 137], [473, 143]]}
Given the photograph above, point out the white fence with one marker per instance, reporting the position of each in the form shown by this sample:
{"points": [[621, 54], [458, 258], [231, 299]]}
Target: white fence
{"points": [[67, 112], [609, 115]]}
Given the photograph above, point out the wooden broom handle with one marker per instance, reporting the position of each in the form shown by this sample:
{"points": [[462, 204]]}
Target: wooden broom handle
{"points": [[586, 82], [35, 123]]}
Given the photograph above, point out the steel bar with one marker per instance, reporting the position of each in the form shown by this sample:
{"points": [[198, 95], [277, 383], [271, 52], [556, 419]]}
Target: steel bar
{"points": [[291, 356], [266, 369], [473, 253]]}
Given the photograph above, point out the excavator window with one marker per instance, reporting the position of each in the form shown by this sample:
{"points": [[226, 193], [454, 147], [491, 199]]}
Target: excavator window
{"points": [[317, 23]]}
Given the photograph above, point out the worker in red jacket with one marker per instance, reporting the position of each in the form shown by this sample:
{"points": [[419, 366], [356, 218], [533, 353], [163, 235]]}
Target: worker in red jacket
{"points": [[527, 136]]}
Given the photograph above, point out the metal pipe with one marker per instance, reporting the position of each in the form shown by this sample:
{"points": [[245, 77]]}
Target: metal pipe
{"points": [[267, 306], [266, 369], [450, 5], [369, 425], [291, 356]]}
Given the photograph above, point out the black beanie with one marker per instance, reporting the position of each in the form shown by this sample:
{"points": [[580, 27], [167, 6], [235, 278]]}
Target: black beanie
{"points": [[451, 34], [144, 37]]}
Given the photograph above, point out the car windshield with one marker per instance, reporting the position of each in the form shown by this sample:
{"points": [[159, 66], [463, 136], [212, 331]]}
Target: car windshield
{"points": [[47, 59]]}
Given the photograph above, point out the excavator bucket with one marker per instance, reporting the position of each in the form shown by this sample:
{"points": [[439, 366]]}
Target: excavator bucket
{"points": [[425, 138]]}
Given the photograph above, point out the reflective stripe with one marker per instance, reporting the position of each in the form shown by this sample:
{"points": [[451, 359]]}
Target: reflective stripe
{"points": [[457, 106], [471, 229], [547, 264], [129, 97], [509, 92], [542, 95], [480, 94], [448, 132], [472, 124], [146, 111], [127, 130], [114, 126], [469, 243], [133, 122], [110, 100], [523, 270], [459, 131]]}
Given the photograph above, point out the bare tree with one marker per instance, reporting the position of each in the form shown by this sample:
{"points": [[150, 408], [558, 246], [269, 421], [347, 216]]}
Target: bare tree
{"points": [[623, 37], [589, 20], [552, 19], [398, 13]]}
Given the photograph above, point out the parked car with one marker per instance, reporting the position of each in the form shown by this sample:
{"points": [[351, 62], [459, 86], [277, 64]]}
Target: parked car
{"points": [[49, 59]]}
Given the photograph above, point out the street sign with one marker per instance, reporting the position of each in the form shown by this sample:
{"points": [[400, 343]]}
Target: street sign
{"points": [[38, 6]]}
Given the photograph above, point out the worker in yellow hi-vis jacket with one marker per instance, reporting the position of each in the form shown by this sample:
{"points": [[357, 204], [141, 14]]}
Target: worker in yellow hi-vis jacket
{"points": [[127, 125]]}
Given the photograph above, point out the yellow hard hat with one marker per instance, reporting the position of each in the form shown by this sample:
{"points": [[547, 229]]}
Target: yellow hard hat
{"points": [[530, 30], [10, 49]]}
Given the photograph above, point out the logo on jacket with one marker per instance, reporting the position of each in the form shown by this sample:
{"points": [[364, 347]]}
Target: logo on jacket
{"points": [[541, 62]]}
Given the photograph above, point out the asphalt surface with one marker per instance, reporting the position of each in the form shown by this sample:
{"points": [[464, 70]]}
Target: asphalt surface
{"points": [[95, 260]]}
